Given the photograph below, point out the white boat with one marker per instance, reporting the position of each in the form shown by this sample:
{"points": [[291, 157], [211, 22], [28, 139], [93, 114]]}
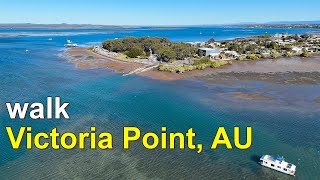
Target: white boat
{"points": [[278, 163], [70, 44]]}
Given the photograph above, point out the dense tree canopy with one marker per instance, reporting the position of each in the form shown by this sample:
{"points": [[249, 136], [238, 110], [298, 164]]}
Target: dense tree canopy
{"points": [[134, 52], [183, 50], [167, 54], [163, 47]]}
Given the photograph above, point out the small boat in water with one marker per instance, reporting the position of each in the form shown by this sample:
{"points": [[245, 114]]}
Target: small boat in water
{"points": [[70, 44], [278, 163]]}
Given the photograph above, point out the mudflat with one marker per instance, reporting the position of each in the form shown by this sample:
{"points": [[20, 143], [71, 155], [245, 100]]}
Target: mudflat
{"points": [[295, 70]]}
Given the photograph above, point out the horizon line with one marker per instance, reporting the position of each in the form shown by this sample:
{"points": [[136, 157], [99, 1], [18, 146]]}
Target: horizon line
{"points": [[213, 24]]}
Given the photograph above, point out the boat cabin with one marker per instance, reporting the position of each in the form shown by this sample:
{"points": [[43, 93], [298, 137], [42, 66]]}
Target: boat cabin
{"points": [[278, 163]]}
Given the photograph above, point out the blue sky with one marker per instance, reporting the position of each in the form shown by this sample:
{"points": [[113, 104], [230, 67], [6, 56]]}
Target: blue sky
{"points": [[154, 12]]}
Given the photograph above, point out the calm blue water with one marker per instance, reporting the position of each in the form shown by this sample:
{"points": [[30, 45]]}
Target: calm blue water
{"points": [[287, 125]]}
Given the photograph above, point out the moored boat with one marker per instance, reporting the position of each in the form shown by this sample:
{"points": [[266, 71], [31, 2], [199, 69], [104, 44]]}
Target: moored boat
{"points": [[70, 44], [278, 163]]}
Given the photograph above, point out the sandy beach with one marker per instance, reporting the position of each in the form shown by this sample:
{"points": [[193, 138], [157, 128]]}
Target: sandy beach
{"points": [[293, 70]]}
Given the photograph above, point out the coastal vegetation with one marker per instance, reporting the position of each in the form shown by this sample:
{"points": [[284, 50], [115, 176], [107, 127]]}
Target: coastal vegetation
{"points": [[91, 48], [176, 57], [200, 64], [166, 50], [305, 53], [134, 52]]}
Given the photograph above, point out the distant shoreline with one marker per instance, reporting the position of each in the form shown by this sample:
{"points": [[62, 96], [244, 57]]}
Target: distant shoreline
{"points": [[62, 26], [302, 24]]}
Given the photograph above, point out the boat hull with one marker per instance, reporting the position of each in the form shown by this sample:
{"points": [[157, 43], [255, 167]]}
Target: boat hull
{"points": [[277, 169]]}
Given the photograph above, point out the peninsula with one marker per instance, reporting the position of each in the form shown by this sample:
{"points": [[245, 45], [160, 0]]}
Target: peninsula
{"points": [[162, 59]]}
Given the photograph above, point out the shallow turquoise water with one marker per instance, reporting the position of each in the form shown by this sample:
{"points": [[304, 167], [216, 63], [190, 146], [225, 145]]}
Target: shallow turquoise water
{"points": [[287, 125]]}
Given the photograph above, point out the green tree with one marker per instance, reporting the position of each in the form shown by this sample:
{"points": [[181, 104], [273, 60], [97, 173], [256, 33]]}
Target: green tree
{"points": [[183, 50], [251, 47], [305, 53], [287, 47], [116, 45], [274, 55], [272, 45], [134, 52], [166, 54]]}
